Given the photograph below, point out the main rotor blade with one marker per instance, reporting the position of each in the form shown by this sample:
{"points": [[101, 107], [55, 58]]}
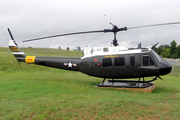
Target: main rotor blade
{"points": [[153, 25], [115, 30], [64, 35]]}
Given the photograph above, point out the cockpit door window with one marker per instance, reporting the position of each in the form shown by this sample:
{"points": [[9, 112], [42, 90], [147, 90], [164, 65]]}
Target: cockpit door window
{"points": [[151, 62], [147, 60], [156, 57]]}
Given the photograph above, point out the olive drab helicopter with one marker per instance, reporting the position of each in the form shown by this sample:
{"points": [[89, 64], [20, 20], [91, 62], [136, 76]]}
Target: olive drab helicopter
{"points": [[104, 62]]}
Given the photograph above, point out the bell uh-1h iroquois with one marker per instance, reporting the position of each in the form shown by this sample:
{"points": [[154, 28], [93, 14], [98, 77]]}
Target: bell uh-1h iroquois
{"points": [[104, 62]]}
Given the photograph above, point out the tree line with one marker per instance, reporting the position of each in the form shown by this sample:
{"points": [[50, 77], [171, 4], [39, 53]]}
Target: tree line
{"points": [[169, 51]]}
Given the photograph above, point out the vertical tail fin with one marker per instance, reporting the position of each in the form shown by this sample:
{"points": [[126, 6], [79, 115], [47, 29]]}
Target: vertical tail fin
{"points": [[18, 54]]}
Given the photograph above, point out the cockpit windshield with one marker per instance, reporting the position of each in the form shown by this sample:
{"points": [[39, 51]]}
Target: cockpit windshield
{"points": [[156, 57]]}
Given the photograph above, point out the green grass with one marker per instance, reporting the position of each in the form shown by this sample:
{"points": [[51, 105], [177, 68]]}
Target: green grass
{"points": [[45, 52], [175, 71], [29, 91]]}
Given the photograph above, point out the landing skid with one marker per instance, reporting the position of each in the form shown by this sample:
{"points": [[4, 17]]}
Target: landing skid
{"points": [[128, 83]]}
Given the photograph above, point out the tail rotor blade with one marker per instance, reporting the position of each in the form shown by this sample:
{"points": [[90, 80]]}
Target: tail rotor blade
{"points": [[10, 34]]}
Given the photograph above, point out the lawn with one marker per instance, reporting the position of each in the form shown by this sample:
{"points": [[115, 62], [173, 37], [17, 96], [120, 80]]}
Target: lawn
{"points": [[29, 91]]}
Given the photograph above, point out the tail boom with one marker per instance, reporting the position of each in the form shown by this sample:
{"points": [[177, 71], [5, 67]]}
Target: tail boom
{"points": [[66, 63]]}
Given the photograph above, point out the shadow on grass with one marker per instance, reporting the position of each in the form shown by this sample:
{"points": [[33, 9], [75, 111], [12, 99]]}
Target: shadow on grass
{"points": [[94, 83]]}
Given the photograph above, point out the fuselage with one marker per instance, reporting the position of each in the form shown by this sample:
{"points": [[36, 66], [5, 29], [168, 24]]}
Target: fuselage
{"points": [[117, 62], [104, 62]]}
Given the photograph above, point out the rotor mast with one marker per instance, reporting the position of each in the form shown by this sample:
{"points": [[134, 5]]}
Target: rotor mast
{"points": [[115, 29]]}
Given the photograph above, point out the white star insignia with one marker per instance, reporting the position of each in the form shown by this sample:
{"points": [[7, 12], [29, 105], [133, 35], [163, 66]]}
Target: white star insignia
{"points": [[70, 65]]}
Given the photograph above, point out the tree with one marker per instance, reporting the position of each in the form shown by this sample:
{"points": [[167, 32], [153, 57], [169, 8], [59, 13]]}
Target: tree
{"points": [[155, 49], [166, 53], [67, 48], [159, 50], [173, 49], [166, 46], [169, 51], [178, 51]]}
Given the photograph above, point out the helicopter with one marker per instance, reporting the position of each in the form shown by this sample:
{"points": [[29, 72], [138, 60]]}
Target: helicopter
{"points": [[104, 62]]}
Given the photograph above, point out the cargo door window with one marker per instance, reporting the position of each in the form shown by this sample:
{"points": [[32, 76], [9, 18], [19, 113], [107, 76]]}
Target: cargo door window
{"points": [[119, 61], [107, 62]]}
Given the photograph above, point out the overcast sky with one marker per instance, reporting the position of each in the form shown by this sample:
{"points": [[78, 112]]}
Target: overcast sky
{"points": [[38, 18]]}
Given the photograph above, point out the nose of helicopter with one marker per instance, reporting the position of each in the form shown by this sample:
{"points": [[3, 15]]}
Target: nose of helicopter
{"points": [[164, 67]]}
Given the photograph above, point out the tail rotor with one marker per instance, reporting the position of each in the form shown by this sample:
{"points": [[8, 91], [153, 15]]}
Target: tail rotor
{"points": [[20, 56]]}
